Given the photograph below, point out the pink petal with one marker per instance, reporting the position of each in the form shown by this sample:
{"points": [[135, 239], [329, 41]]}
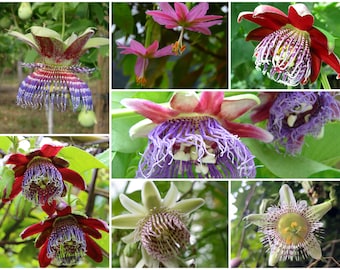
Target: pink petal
{"points": [[232, 109], [148, 109], [300, 17], [140, 66], [198, 11], [203, 27], [261, 112], [167, 9], [163, 19], [210, 102], [181, 11], [152, 49], [248, 131], [184, 102], [167, 50], [138, 47]]}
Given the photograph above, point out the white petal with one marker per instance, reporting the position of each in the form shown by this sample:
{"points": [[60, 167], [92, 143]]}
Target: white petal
{"points": [[274, 257], [314, 249], [148, 260], [319, 210], [287, 195], [150, 196], [188, 206], [171, 197], [141, 129], [257, 219], [132, 206], [130, 238], [128, 221]]}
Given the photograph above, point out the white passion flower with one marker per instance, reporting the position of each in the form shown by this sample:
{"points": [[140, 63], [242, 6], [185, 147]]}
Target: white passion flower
{"points": [[159, 224], [290, 229]]}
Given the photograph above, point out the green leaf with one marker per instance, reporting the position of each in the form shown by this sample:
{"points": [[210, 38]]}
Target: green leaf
{"points": [[285, 166], [104, 157], [80, 160], [5, 143], [6, 180], [122, 17], [96, 42]]}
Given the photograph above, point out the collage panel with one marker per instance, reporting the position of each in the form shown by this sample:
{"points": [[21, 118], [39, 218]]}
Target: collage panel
{"points": [[169, 45], [55, 71], [280, 45], [169, 224], [54, 209], [284, 223]]}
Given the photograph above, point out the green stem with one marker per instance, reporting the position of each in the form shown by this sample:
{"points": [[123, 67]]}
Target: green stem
{"points": [[63, 22], [324, 81]]}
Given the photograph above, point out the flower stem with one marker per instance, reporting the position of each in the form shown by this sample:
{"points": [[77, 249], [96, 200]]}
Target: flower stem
{"points": [[324, 81]]}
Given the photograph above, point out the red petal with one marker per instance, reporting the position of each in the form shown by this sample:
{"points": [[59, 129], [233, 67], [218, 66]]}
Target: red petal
{"points": [[93, 250], [50, 47], [50, 150], [259, 33], [300, 17], [36, 228], [316, 65], [16, 189], [266, 16], [328, 57], [17, 159], [93, 222], [75, 50], [72, 177], [210, 102], [261, 112], [49, 208], [248, 131], [43, 237], [43, 260], [153, 111]]}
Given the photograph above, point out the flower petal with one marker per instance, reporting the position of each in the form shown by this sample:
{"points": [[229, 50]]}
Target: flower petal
{"points": [[181, 11], [235, 106], [198, 11], [170, 198], [132, 206], [44, 261], [93, 250], [259, 33], [73, 177], [300, 16], [189, 205], [130, 238], [48, 150], [93, 223], [184, 101], [286, 196], [314, 249], [127, 221], [167, 50], [153, 111], [17, 159], [256, 219], [210, 102], [274, 257], [152, 48], [35, 228], [150, 196], [319, 210], [141, 129]]}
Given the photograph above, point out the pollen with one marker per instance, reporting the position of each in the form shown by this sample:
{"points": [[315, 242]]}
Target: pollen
{"points": [[292, 228]]}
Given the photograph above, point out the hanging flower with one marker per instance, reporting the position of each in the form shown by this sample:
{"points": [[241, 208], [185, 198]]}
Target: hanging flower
{"points": [[143, 56], [54, 80], [159, 224], [65, 238], [290, 229], [194, 20], [293, 115], [291, 49], [40, 176], [196, 137]]}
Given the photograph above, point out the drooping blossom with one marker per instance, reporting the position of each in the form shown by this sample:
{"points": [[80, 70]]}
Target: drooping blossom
{"points": [[143, 56], [65, 238], [195, 137], [40, 176], [160, 225], [290, 230], [54, 79], [293, 115], [194, 20], [291, 49]]}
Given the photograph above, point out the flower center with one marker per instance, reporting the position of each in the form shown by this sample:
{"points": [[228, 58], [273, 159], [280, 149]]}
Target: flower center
{"points": [[164, 234], [284, 56], [293, 228], [67, 241], [300, 114], [42, 182]]}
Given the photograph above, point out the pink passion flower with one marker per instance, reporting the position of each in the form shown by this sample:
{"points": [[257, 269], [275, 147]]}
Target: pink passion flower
{"points": [[194, 20], [143, 56], [291, 50], [195, 136], [40, 177], [54, 80], [65, 238]]}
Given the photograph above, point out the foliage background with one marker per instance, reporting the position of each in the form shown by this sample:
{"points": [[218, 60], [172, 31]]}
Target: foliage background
{"points": [[88, 156], [78, 17], [320, 157], [243, 72], [202, 65], [249, 196], [208, 224]]}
